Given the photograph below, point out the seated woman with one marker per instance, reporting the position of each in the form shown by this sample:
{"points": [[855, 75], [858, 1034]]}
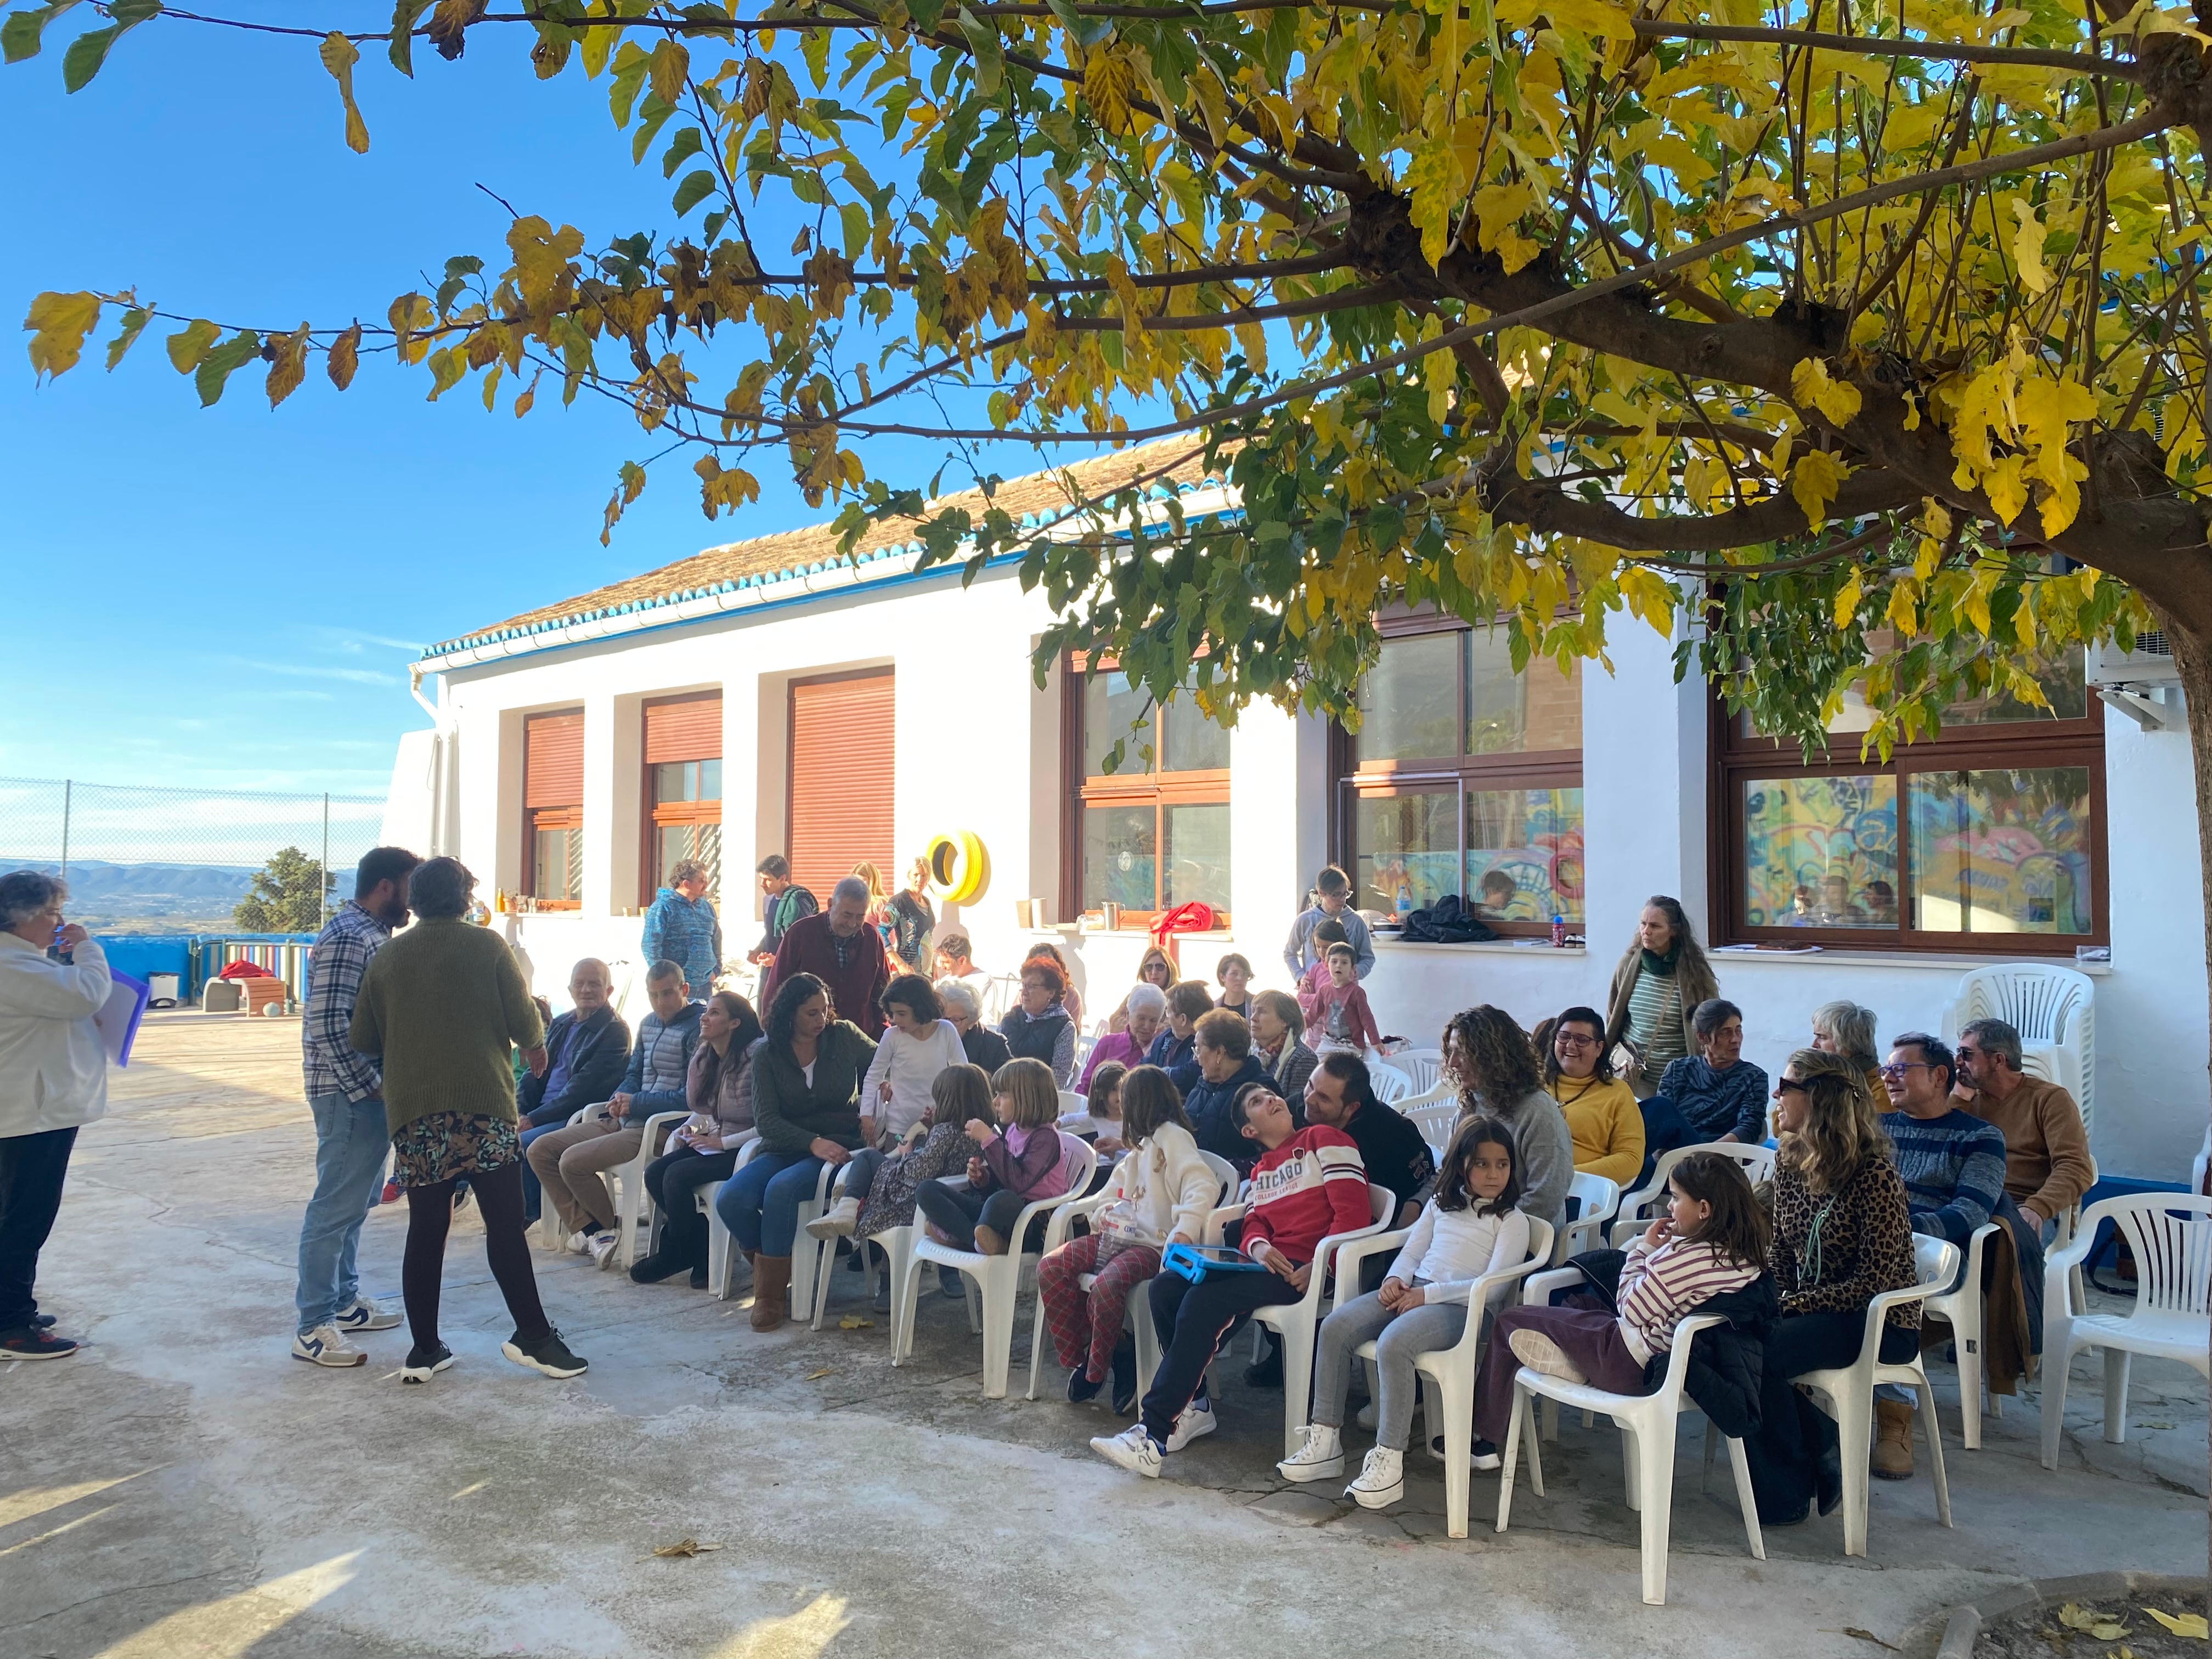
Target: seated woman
{"points": [[1848, 1028], [1470, 1228], [1154, 969], [1600, 1108], [1013, 1166], [719, 1089], [963, 1006], [1234, 974], [1489, 1059], [1159, 1194], [1842, 1234], [1714, 1095], [1040, 1027], [1126, 1044], [918, 1042], [806, 1105], [1188, 1003], [1066, 997], [1279, 1039]]}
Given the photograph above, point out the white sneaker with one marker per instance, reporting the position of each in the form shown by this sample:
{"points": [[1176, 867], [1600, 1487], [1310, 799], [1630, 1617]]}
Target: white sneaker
{"points": [[1382, 1479], [1540, 1353], [838, 1221], [1194, 1421], [578, 1242], [1320, 1458], [324, 1346], [604, 1249], [366, 1315], [1133, 1448]]}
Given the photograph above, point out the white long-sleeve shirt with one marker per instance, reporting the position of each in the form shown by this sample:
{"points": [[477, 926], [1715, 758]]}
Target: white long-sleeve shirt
{"points": [[53, 1068], [910, 1065], [1449, 1249]]}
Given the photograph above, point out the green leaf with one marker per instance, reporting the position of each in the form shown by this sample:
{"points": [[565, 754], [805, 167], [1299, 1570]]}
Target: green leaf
{"points": [[131, 13], [651, 116], [857, 229], [696, 187], [686, 144], [630, 77], [990, 52], [19, 35], [218, 365], [85, 56], [134, 323], [405, 15]]}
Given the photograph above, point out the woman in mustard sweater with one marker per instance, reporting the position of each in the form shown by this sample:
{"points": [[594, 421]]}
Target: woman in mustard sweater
{"points": [[1600, 1108]]}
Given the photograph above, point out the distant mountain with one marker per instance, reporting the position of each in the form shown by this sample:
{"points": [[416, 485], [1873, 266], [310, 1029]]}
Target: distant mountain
{"points": [[142, 898]]}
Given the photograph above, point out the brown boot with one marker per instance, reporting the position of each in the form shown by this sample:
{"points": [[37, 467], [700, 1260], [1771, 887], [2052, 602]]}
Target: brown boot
{"points": [[1893, 1441], [772, 1280]]}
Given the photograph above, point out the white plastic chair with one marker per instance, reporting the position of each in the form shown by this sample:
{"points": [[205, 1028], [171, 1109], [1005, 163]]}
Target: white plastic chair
{"points": [[998, 1277], [1434, 1119], [1647, 1423], [628, 1180], [1071, 1101], [2170, 1235], [2054, 1009], [549, 1215], [1085, 1043], [1424, 1067], [806, 1250], [1600, 1199], [1756, 1162], [1390, 1084], [1850, 1390], [721, 1247], [1963, 1308], [1449, 1401]]}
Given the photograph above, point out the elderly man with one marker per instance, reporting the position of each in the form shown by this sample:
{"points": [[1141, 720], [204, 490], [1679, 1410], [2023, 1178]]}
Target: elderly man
{"points": [[2047, 1163], [841, 950], [964, 1007], [586, 1050], [569, 1160], [681, 926], [783, 903]]}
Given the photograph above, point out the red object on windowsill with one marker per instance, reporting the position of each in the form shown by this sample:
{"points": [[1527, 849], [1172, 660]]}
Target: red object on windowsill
{"points": [[1193, 918]]}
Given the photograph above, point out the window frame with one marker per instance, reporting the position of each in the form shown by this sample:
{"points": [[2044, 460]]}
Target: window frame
{"points": [[654, 815], [2009, 745], [1515, 770], [1157, 789]]}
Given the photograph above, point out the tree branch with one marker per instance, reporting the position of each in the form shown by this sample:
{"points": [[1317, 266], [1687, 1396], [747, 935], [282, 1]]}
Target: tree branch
{"points": [[1875, 46]]}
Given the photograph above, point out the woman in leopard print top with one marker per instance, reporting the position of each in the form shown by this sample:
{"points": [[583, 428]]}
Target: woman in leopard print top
{"points": [[1842, 1236]]}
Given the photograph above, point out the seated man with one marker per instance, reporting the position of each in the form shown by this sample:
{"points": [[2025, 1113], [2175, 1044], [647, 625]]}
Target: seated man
{"points": [[568, 1160], [1222, 1062], [1340, 1094], [1952, 1164], [586, 1052], [1308, 1184], [2047, 1163]]}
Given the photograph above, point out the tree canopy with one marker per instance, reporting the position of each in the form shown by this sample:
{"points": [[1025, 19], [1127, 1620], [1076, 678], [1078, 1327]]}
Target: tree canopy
{"points": [[1868, 330], [286, 896]]}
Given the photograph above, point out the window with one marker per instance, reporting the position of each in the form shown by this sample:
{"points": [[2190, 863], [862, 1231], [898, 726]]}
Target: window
{"points": [[843, 780], [683, 788], [1153, 833], [553, 809], [1994, 827], [1464, 777]]}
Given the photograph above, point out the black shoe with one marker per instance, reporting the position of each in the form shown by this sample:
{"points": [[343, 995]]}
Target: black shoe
{"points": [[1081, 1390], [857, 1262], [698, 1279], [42, 1322], [460, 1198], [30, 1343], [1484, 1456], [1266, 1373], [547, 1354], [651, 1269], [420, 1366], [1125, 1380], [949, 1281]]}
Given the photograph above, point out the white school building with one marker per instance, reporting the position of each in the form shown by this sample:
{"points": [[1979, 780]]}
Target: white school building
{"points": [[768, 696]]}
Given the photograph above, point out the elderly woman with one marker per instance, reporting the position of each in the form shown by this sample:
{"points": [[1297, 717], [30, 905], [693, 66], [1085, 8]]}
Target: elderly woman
{"points": [[53, 1079], [1714, 1095], [1847, 1029], [1147, 1009], [963, 1004], [1657, 985], [1278, 1027]]}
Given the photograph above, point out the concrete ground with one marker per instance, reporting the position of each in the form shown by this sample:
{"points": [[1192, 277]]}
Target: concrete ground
{"points": [[184, 1488]]}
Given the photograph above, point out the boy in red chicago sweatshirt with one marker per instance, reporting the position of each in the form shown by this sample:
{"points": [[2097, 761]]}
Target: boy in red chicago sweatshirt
{"points": [[1308, 1185]]}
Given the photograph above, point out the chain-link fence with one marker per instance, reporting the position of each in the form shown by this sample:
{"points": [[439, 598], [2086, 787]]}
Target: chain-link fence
{"points": [[188, 861]]}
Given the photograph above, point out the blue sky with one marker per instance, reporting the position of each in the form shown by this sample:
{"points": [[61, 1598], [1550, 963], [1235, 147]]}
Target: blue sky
{"points": [[229, 596]]}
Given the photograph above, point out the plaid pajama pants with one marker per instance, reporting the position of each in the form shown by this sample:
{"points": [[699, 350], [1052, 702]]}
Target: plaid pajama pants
{"points": [[1085, 1326]]}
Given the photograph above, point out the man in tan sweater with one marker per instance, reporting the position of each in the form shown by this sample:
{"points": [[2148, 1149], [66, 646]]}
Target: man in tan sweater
{"points": [[2047, 1165]]}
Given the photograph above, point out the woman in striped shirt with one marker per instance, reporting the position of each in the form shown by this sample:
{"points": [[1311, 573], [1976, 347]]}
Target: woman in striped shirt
{"points": [[1657, 985]]}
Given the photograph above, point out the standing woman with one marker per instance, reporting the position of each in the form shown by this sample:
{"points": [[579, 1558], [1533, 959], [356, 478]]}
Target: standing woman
{"points": [[914, 919], [1607, 1129], [439, 1007], [1492, 1064], [1153, 968], [1660, 979], [719, 1089], [1842, 1236], [878, 913], [53, 1080], [806, 1105]]}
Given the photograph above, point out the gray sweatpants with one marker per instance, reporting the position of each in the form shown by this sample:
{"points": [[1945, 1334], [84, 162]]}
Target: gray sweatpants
{"points": [[1397, 1337]]}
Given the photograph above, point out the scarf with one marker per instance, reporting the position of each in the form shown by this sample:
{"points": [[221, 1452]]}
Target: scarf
{"points": [[1662, 966]]}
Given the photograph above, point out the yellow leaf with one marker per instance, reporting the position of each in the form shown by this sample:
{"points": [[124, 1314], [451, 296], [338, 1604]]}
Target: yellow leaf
{"points": [[1434, 181], [668, 69], [2027, 247], [1904, 612], [190, 344], [345, 357], [339, 55], [2189, 1625], [1811, 384], [1847, 600], [1497, 210], [1108, 78], [288, 367], [1813, 481], [2004, 487], [855, 1323], [59, 323], [1650, 596]]}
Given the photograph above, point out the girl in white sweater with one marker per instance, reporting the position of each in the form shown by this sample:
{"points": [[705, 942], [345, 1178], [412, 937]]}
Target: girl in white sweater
{"points": [[1470, 1229], [918, 1042], [1159, 1194]]}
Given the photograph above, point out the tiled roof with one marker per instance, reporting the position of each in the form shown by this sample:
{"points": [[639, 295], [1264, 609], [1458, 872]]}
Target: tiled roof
{"points": [[1035, 500]]}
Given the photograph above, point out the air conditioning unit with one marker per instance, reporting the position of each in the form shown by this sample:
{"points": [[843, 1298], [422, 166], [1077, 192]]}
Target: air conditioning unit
{"points": [[2148, 666]]}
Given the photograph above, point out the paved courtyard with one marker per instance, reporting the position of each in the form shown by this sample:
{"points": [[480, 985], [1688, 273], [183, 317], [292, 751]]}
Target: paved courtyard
{"points": [[184, 1488]]}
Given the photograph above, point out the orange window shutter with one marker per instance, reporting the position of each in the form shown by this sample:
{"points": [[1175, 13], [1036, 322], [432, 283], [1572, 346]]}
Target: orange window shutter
{"points": [[841, 780], [553, 759], [683, 729]]}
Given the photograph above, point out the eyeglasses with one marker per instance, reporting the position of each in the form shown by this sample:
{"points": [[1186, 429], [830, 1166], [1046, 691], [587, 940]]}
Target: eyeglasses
{"points": [[1574, 1040], [1895, 1071]]}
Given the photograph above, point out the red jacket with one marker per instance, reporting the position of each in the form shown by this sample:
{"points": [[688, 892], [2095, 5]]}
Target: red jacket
{"points": [[1310, 1187], [808, 947]]}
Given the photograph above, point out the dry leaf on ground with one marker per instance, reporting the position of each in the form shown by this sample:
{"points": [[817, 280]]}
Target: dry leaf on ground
{"points": [[827, 1370], [2189, 1624], [855, 1323], [683, 1549]]}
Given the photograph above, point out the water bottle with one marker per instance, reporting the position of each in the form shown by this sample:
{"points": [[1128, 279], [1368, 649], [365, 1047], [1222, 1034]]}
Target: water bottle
{"points": [[1404, 903], [1558, 932]]}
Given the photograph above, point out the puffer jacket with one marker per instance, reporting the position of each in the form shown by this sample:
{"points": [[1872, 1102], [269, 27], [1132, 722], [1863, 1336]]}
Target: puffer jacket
{"points": [[1727, 1362]]}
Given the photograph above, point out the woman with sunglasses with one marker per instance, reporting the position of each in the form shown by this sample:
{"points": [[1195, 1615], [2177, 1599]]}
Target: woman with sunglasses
{"points": [[1842, 1236]]}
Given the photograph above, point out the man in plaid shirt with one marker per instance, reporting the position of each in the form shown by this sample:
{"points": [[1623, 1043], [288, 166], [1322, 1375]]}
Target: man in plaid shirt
{"points": [[345, 1092]]}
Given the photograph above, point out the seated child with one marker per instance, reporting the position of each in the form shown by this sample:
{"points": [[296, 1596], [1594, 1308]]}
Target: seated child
{"points": [[1100, 1121], [1015, 1165], [1712, 1240], [1468, 1229], [1159, 1194], [1308, 1185], [1336, 1012]]}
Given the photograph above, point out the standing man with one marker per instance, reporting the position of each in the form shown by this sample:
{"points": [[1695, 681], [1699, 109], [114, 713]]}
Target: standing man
{"points": [[843, 951], [1333, 903], [785, 903], [53, 1079], [345, 1093], [2047, 1163], [681, 926]]}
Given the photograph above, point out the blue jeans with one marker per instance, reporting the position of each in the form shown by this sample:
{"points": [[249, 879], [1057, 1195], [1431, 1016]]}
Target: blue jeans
{"points": [[350, 1143], [760, 1204], [533, 1195]]}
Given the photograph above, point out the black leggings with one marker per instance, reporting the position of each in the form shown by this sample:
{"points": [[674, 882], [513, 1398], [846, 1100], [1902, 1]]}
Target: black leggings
{"points": [[430, 1213], [958, 1211], [672, 1179]]}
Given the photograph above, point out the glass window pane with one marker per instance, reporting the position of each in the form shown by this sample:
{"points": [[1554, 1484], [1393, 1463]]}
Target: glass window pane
{"points": [[672, 781], [710, 780], [1409, 706], [1509, 713], [2001, 851], [1410, 841], [1193, 742], [1195, 859], [1118, 856], [1111, 703], [2065, 683], [558, 866], [1524, 854], [1820, 852]]}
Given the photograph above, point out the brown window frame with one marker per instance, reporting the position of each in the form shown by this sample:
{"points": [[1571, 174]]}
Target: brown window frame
{"points": [[1461, 775], [656, 815], [1160, 790], [569, 817], [2022, 746]]}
